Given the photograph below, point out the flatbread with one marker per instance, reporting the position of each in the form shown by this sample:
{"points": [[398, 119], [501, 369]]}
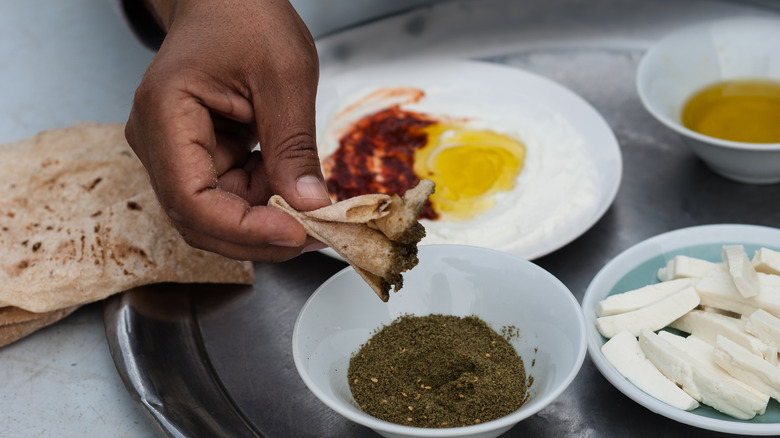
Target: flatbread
{"points": [[15, 315], [13, 332], [79, 221], [376, 234]]}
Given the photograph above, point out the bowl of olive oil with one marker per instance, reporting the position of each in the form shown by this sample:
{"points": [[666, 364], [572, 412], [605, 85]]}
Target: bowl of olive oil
{"points": [[717, 84]]}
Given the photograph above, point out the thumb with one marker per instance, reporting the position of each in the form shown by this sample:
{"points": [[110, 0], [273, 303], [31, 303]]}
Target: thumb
{"points": [[293, 168], [284, 110], [292, 164]]}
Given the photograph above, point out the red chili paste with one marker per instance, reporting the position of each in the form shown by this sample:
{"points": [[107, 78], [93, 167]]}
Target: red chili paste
{"points": [[377, 156]]}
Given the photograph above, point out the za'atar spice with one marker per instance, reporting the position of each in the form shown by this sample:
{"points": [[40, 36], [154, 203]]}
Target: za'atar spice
{"points": [[437, 371]]}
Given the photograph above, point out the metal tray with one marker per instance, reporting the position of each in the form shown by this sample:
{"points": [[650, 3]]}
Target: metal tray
{"points": [[216, 360]]}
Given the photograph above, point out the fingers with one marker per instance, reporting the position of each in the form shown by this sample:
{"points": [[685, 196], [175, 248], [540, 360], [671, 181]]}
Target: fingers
{"points": [[234, 141], [239, 251], [284, 101], [211, 93], [248, 181], [172, 129]]}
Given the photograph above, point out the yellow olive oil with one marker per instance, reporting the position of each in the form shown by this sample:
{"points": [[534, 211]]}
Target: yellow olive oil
{"points": [[744, 110]]}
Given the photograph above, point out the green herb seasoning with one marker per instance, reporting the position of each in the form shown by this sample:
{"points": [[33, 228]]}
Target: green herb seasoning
{"points": [[437, 371]]}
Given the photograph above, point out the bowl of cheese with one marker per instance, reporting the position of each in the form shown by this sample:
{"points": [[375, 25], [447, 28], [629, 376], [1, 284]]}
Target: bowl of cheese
{"points": [[686, 324], [717, 84]]}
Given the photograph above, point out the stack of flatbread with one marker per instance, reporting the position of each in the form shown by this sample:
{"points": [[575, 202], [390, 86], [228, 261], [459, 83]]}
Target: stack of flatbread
{"points": [[377, 234], [78, 222]]}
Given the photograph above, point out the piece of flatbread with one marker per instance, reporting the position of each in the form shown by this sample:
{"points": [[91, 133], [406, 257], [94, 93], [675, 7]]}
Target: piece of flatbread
{"points": [[14, 315], [79, 221], [15, 331], [376, 234]]}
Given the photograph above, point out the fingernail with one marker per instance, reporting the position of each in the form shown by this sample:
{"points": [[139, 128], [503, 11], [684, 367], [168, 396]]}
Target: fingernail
{"points": [[285, 243], [314, 247], [309, 187]]}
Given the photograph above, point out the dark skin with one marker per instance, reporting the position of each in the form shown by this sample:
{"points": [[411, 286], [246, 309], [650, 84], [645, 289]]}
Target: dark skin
{"points": [[230, 74]]}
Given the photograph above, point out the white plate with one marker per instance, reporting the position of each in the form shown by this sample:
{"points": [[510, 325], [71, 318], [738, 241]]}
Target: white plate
{"points": [[487, 85], [636, 267]]}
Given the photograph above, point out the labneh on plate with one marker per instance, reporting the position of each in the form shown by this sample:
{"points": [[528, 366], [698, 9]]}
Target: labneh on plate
{"points": [[637, 267], [521, 164]]}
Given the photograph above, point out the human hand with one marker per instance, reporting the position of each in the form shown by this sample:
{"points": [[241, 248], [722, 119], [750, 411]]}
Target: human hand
{"points": [[230, 73]]}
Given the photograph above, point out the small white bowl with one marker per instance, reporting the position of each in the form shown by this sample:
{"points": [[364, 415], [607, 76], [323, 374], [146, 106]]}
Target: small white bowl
{"points": [[502, 289], [637, 267], [690, 59]]}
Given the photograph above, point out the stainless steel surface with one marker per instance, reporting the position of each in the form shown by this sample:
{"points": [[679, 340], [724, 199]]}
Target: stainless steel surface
{"points": [[172, 372], [216, 361]]}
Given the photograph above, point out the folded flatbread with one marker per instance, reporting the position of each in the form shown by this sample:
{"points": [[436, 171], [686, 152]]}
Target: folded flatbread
{"points": [[79, 221], [377, 234], [17, 323]]}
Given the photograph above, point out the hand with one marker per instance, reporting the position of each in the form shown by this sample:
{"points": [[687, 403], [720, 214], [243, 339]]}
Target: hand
{"points": [[230, 73]]}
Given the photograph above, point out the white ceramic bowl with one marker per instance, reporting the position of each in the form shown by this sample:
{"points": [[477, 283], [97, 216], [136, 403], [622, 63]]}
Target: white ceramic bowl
{"points": [[502, 289], [697, 56], [637, 267]]}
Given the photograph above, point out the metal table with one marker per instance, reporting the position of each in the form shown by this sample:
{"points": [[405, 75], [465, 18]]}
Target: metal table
{"points": [[216, 360]]}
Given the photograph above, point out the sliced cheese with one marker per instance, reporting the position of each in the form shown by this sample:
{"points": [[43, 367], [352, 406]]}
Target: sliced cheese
{"points": [[764, 326], [703, 353], [654, 316], [767, 261], [634, 299], [681, 266], [624, 353], [717, 289], [701, 381], [670, 361], [747, 367], [707, 326], [741, 270], [768, 297]]}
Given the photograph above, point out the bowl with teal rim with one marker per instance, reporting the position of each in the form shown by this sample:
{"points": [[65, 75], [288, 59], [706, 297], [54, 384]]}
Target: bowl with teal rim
{"points": [[638, 266], [679, 65], [501, 289]]}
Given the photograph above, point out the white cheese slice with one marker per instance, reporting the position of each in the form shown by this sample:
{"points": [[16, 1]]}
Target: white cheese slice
{"points": [[713, 385], [703, 353], [717, 289], [764, 326], [691, 344], [624, 353], [634, 299], [767, 261], [768, 297], [747, 367], [707, 326], [741, 269], [654, 316], [681, 266], [670, 361]]}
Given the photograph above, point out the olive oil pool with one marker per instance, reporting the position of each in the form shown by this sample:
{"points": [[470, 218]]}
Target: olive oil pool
{"points": [[744, 110], [438, 371]]}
